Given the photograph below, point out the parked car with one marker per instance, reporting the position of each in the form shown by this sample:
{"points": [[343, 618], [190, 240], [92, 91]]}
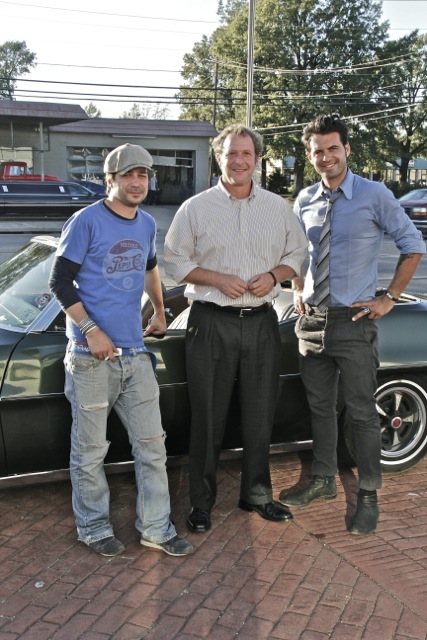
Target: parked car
{"points": [[46, 197], [94, 187], [35, 416], [415, 205]]}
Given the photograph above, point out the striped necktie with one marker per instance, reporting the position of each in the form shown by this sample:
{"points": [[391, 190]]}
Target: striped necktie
{"points": [[321, 293]]}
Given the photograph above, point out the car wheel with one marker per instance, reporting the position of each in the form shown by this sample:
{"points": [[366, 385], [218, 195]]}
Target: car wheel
{"points": [[402, 407]]}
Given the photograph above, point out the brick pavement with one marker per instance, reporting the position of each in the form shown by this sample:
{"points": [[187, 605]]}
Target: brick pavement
{"points": [[248, 578]]}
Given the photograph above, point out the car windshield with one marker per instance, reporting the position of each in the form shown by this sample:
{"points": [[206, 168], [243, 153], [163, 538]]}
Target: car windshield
{"points": [[418, 194], [24, 290]]}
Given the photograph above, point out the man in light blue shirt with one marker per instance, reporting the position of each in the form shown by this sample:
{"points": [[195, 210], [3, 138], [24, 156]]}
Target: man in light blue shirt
{"points": [[345, 218]]}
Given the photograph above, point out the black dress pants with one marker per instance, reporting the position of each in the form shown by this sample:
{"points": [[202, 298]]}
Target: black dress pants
{"points": [[221, 348]]}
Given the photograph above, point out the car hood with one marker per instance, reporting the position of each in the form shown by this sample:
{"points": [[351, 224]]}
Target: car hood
{"points": [[414, 203]]}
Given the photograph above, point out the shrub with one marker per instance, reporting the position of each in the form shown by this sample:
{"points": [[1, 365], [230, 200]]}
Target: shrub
{"points": [[277, 182]]}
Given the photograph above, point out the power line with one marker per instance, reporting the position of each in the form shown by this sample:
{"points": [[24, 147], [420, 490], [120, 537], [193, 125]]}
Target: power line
{"points": [[199, 101], [261, 93], [188, 94], [94, 84], [114, 26], [377, 115], [103, 13], [109, 68], [374, 64]]}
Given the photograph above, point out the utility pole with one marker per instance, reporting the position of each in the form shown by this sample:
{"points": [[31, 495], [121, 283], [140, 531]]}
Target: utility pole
{"points": [[250, 63], [212, 157], [215, 94]]}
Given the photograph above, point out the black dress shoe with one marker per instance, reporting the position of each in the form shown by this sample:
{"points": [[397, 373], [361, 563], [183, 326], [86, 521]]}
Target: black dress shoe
{"points": [[198, 520], [269, 511]]}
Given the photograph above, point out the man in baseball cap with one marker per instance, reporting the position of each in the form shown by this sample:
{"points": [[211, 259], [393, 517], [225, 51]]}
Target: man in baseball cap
{"points": [[128, 157]]}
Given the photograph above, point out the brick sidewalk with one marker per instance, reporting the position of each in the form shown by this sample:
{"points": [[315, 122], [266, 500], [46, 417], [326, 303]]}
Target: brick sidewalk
{"points": [[248, 578]]}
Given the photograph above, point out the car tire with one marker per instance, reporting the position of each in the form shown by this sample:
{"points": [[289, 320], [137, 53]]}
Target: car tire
{"points": [[402, 406]]}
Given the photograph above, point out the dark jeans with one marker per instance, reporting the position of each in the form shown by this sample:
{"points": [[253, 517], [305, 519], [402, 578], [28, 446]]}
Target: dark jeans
{"points": [[332, 346], [152, 196], [220, 348]]}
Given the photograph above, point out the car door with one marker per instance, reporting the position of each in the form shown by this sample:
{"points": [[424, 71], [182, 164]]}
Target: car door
{"points": [[35, 414]]}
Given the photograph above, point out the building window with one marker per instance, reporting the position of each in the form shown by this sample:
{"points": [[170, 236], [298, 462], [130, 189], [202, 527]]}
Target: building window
{"points": [[86, 163]]}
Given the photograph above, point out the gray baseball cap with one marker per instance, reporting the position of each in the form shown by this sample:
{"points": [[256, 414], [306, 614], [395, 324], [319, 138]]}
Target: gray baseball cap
{"points": [[127, 157]]}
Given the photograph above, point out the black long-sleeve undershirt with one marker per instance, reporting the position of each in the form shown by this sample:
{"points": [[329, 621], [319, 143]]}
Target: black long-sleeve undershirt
{"points": [[62, 278]]}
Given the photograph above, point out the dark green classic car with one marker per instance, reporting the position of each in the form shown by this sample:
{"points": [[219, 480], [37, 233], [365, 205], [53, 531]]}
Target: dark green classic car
{"points": [[35, 415]]}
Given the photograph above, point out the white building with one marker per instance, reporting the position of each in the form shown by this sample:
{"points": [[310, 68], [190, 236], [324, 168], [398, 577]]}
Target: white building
{"points": [[57, 139]]}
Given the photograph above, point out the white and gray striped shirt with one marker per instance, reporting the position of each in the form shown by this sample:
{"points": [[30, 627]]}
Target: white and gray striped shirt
{"points": [[242, 237]]}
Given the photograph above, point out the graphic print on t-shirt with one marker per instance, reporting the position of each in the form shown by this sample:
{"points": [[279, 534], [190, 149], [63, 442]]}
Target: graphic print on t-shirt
{"points": [[124, 265]]}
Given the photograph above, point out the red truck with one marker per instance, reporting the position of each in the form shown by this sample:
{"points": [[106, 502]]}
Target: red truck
{"points": [[17, 170]]}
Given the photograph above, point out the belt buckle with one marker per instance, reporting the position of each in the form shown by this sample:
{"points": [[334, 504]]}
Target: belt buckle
{"points": [[242, 312]]}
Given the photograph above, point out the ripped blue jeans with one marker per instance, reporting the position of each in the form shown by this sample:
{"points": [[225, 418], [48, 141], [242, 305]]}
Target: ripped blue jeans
{"points": [[93, 388]]}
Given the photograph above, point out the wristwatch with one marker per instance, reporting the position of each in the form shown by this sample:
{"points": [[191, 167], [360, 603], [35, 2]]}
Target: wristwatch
{"points": [[390, 297]]}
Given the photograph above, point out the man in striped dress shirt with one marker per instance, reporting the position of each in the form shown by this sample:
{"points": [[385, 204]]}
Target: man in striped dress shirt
{"points": [[233, 244]]}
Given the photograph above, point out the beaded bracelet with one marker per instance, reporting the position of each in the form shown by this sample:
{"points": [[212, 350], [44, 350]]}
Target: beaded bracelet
{"points": [[93, 326], [87, 325]]}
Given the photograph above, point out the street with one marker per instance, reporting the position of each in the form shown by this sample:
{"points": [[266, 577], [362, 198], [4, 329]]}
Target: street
{"points": [[387, 265], [15, 235]]}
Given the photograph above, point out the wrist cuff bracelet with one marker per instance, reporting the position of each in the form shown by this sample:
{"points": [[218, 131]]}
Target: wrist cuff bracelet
{"points": [[390, 297]]}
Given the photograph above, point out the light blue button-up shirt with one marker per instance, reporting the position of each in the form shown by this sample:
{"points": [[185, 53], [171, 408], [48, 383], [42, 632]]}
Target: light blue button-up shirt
{"points": [[361, 216]]}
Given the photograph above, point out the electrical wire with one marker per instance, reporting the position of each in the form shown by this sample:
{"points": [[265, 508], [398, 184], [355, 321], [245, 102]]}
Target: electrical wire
{"points": [[377, 116], [104, 13]]}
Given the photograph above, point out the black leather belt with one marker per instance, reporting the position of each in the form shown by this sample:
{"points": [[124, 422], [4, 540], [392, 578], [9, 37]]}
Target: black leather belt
{"points": [[242, 312]]}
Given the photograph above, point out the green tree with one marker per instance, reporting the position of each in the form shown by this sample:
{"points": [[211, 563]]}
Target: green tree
{"points": [[198, 97], [402, 81], [308, 59], [15, 60], [156, 111], [93, 111], [211, 91]]}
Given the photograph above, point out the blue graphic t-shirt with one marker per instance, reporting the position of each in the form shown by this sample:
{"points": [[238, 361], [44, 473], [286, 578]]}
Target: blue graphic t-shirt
{"points": [[113, 254]]}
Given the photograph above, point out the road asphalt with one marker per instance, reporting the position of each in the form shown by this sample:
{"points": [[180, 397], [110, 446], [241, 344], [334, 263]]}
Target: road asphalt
{"points": [[163, 214]]}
